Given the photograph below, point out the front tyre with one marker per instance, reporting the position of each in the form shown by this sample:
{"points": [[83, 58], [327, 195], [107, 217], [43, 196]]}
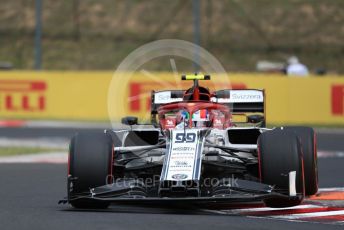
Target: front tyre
{"points": [[279, 153], [90, 165], [309, 150]]}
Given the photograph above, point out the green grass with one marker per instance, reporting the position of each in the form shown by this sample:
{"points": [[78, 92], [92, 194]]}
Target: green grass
{"points": [[99, 34], [11, 151]]}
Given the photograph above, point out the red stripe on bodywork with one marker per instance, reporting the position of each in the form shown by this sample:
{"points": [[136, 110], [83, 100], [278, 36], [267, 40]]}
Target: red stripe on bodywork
{"points": [[259, 163]]}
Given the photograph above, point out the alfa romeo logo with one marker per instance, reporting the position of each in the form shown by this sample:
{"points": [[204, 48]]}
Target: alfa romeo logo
{"points": [[179, 176]]}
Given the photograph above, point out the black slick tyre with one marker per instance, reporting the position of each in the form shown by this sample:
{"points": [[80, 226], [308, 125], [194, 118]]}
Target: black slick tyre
{"points": [[309, 150], [90, 165], [279, 153]]}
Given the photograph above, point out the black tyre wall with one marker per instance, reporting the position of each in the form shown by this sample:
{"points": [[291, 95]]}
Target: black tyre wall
{"points": [[309, 150], [90, 160], [280, 153]]}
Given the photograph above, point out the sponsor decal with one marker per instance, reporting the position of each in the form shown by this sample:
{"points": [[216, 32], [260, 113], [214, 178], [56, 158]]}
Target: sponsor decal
{"points": [[183, 156], [180, 176], [337, 97], [22, 95], [246, 96], [184, 148], [241, 96], [170, 123], [165, 97], [218, 122]]}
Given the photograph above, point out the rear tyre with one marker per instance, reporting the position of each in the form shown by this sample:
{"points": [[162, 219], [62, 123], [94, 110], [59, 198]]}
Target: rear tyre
{"points": [[279, 153], [90, 164], [309, 151]]}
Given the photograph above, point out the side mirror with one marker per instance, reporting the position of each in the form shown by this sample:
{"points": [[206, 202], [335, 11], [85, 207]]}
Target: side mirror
{"points": [[255, 118], [129, 120]]}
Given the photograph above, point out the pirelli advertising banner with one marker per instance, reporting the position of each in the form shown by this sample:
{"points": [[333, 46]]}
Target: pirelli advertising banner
{"points": [[102, 95]]}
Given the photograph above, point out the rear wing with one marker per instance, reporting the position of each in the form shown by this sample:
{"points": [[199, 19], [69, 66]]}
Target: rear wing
{"points": [[247, 102], [159, 98], [240, 101]]}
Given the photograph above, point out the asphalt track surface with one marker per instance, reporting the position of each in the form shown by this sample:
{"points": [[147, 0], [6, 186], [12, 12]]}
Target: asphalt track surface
{"points": [[30, 192]]}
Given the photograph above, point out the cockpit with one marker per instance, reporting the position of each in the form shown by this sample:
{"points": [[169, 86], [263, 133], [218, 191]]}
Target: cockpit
{"points": [[195, 110], [201, 118]]}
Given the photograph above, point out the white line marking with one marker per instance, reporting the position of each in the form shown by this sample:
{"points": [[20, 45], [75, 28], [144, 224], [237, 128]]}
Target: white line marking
{"points": [[336, 131], [35, 142], [264, 209], [308, 215], [271, 218], [214, 211], [55, 157], [330, 154], [339, 222], [337, 189]]}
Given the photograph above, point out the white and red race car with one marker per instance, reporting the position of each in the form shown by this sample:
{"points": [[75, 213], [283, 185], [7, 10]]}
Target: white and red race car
{"points": [[194, 153]]}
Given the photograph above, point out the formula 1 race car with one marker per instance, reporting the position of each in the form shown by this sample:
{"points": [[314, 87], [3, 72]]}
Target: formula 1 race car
{"points": [[195, 153]]}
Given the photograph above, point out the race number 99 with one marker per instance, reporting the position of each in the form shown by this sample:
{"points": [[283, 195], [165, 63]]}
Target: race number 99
{"points": [[185, 138]]}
